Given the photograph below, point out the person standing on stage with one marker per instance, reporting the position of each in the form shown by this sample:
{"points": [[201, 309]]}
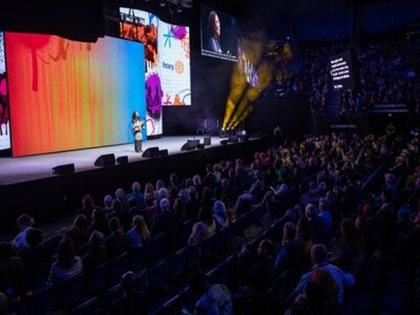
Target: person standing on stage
{"points": [[137, 126]]}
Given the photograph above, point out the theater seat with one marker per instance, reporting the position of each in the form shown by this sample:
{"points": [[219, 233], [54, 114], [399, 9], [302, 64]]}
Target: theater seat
{"points": [[119, 265], [72, 290], [92, 306], [98, 278], [42, 301]]}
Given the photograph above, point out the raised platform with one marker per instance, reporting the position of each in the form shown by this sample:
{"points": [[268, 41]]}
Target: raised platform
{"points": [[28, 186], [23, 169]]}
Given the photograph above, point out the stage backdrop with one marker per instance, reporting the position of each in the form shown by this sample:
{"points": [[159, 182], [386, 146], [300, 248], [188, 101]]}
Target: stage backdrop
{"points": [[4, 102], [68, 95], [167, 58]]}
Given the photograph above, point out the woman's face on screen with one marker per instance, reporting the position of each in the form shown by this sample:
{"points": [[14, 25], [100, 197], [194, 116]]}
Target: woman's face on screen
{"points": [[216, 26]]}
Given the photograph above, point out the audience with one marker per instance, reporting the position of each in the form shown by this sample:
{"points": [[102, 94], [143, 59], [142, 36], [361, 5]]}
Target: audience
{"points": [[36, 254], [205, 227], [24, 223], [97, 253], [211, 298], [319, 258], [66, 264], [165, 220], [139, 233], [368, 213]]}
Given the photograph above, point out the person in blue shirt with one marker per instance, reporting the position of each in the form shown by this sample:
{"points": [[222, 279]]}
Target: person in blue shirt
{"points": [[320, 260]]}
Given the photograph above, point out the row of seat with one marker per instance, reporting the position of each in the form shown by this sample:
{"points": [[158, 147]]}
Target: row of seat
{"points": [[150, 276]]}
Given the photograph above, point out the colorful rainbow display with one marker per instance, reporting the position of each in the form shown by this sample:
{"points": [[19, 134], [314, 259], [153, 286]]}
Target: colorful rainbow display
{"points": [[68, 95]]}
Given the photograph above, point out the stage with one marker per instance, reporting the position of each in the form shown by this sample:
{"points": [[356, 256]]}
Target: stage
{"points": [[23, 169]]}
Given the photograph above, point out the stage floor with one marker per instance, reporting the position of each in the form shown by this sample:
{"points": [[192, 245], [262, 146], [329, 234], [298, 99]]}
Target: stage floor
{"points": [[22, 169]]}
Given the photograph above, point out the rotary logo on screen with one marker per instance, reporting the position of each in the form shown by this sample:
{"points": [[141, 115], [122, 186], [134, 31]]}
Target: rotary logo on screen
{"points": [[179, 67]]}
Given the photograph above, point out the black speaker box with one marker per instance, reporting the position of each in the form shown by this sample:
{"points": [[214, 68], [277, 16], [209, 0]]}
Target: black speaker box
{"points": [[190, 145], [163, 152], [64, 169], [105, 160], [151, 152], [207, 140], [122, 159]]}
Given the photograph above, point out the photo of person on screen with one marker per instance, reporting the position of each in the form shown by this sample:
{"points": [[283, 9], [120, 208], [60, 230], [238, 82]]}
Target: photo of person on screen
{"points": [[214, 29]]}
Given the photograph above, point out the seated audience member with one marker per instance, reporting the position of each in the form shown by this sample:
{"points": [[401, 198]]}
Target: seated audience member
{"points": [[262, 272], [292, 251], [150, 209], [35, 254], [325, 218], [219, 214], [179, 211], [132, 208], [133, 301], [87, 206], [118, 242], [314, 221], [139, 233], [243, 205], [79, 231], [205, 227], [97, 253], [137, 195], [121, 197], [164, 221], [320, 260], [12, 270], [99, 221], [349, 249], [66, 264], [24, 223], [211, 298], [109, 207]]}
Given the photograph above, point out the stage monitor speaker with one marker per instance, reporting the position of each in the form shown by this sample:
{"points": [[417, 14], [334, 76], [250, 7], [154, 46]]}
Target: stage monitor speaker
{"points": [[122, 159], [105, 160], [233, 139], [190, 145], [163, 152], [64, 169], [207, 140], [224, 142], [151, 152], [200, 146]]}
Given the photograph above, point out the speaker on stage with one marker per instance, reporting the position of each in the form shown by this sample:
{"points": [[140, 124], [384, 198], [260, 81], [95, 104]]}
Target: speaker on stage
{"points": [[207, 140], [122, 159], [105, 160], [151, 152], [200, 146], [163, 152], [64, 169], [190, 145]]}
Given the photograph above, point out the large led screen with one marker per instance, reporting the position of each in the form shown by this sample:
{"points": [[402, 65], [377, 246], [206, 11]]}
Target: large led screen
{"points": [[167, 59], [219, 34], [4, 103], [68, 95]]}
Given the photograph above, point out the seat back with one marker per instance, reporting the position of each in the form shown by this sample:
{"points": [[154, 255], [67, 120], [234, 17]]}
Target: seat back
{"points": [[157, 275], [72, 290], [92, 306], [119, 265], [98, 278], [157, 247], [42, 300], [138, 257]]}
